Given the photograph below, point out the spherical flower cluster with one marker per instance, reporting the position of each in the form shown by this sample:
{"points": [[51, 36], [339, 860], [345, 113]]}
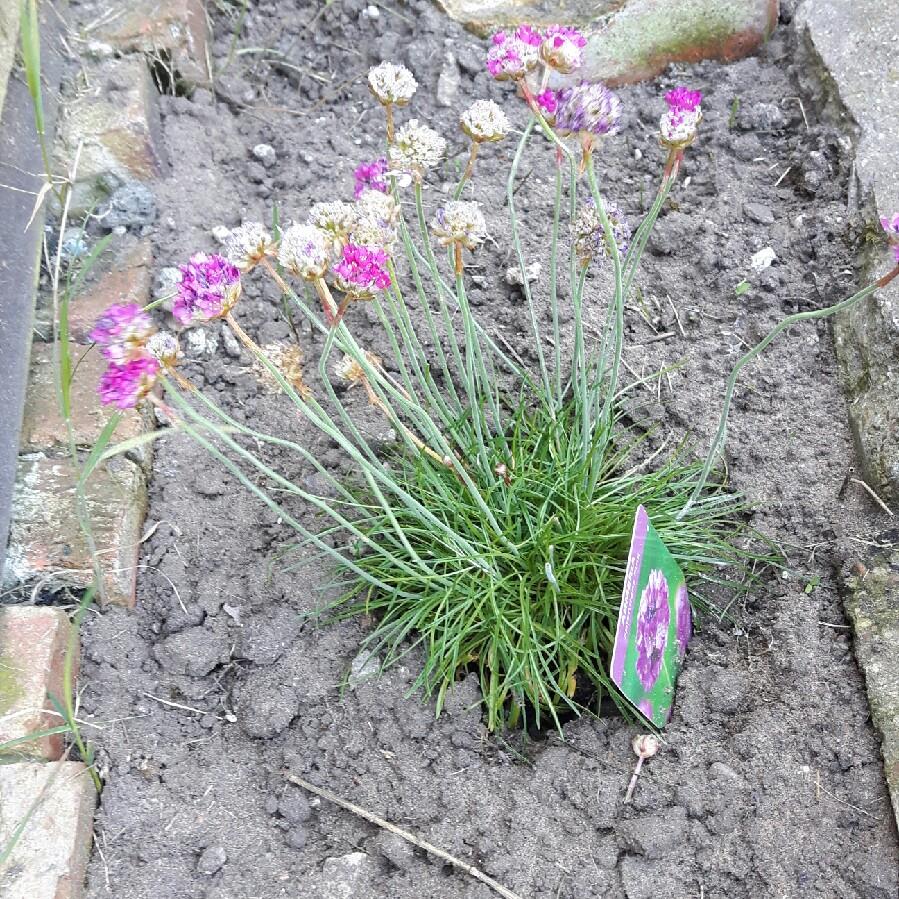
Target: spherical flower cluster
{"points": [[124, 385], [484, 121], [370, 176], [589, 107], [376, 220], [361, 271], [891, 226], [417, 148], [305, 251], [513, 54], [163, 346], [589, 235], [548, 102], [653, 618], [392, 84], [122, 331], [209, 288], [247, 245], [336, 219], [460, 222], [678, 126], [562, 48]]}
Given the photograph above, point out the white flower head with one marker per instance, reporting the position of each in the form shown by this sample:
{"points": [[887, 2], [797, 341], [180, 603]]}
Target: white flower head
{"points": [[247, 245], [678, 127], [376, 218], [392, 84], [417, 148], [336, 218], [484, 120], [305, 251], [462, 222], [163, 345]]}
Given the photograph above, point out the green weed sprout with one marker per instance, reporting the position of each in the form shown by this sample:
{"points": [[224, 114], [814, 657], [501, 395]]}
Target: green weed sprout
{"points": [[494, 534]]}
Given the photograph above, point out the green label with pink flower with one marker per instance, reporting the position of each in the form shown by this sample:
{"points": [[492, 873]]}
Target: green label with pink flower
{"points": [[654, 625]]}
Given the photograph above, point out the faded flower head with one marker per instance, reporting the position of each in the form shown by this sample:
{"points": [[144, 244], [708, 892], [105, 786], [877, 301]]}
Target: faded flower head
{"points": [[645, 745], [513, 54], [416, 149], [588, 107], [678, 126], [562, 48], [460, 222], [653, 618], [247, 245], [376, 219], [392, 84], [122, 331], [485, 121], [288, 359], [163, 346], [209, 288], [305, 251], [349, 370], [125, 385], [891, 227], [361, 270], [589, 236], [370, 176], [336, 219]]}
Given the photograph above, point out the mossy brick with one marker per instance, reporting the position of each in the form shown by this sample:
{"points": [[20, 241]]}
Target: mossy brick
{"points": [[46, 539], [115, 117], [172, 32], [33, 645], [633, 40], [872, 603], [56, 801], [43, 427]]}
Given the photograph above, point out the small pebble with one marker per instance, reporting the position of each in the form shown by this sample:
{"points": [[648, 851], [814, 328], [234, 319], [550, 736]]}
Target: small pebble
{"points": [[266, 154], [211, 860]]}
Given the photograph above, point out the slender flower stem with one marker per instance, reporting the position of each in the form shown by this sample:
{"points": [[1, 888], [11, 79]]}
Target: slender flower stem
{"points": [[469, 168], [554, 285], [789, 321], [388, 109]]}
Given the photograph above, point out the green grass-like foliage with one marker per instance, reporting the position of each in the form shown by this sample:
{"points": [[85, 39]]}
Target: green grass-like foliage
{"points": [[539, 626]]}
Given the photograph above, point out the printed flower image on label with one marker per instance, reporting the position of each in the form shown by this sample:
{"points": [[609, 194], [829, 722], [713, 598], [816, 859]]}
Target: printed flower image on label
{"points": [[654, 625]]}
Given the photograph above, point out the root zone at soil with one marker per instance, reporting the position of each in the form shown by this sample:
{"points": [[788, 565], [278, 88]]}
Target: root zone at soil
{"points": [[770, 781]]}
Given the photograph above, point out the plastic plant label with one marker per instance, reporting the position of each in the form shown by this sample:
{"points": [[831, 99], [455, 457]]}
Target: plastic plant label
{"points": [[654, 625]]}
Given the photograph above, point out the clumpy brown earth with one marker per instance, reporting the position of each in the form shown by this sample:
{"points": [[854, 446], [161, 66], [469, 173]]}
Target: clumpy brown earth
{"points": [[770, 782]]}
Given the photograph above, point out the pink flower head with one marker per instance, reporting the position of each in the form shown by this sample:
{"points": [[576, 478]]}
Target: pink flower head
{"points": [[209, 288], [891, 226], [512, 56], [122, 331], [681, 99], [562, 48], [362, 270], [548, 101], [369, 176], [125, 385], [589, 107]]}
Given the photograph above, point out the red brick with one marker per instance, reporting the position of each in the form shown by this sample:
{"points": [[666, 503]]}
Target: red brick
{"points": [[33, 644], [43, 427], [49, 860], [125, 277], [177, 30], [46, 539]]}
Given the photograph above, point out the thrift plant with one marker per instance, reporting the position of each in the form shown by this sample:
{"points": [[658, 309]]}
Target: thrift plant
{"points": [[495, 533]]}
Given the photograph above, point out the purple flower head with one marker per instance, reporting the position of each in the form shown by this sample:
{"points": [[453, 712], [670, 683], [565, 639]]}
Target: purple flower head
{"points": [[122, 331], [548, 101], [209, 288], [589, 107], [682, 99], [369, 176], [891, 226], [652, 629], [125, 385], [562, 48], [362, 270], [512, 56], [684, 620]]}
